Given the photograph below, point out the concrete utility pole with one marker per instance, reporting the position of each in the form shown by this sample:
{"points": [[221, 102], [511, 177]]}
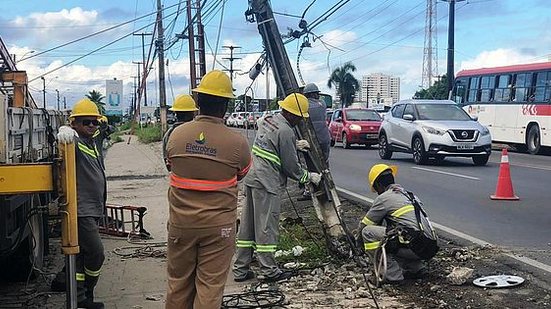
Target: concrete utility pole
{"points": [[57, 91], [135, 107], [231, 58], [161, 53], [43, 90], [451, 43], [196, 37], [138, 100], [144, 78], [64, 103]]}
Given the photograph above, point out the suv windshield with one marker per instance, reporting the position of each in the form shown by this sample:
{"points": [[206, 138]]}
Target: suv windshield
{"points": [[362, 115], [441, 112]]}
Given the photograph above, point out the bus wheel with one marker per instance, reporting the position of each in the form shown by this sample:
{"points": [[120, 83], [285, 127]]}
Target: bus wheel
{"points": [[533, 141]]}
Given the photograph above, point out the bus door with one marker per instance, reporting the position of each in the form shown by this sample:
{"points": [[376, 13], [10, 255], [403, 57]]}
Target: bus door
{"points": [[506, 112]]}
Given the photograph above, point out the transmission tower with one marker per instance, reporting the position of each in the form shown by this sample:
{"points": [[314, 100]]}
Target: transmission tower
{"points": [[430, 50]]}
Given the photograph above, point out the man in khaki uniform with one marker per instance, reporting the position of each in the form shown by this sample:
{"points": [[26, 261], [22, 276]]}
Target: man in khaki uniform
{"points": [[185, 108], [207, 159]]}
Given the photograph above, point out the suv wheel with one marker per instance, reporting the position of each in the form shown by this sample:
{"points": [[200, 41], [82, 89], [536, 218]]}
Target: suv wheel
{"points": [[332, 143], [345, 143], [533, 141], [384, 149], [419, 155], [481, 160]]}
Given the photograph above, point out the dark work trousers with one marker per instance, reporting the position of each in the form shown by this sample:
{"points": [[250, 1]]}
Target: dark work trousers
{"points": [[90, 259]]}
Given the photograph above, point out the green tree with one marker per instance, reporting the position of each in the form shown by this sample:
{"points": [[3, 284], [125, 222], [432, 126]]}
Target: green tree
{"points": [[96, 97], [438, 91], [345, 82]]}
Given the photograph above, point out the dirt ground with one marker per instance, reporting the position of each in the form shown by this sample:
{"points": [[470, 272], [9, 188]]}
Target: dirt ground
{"points": [[137, 177]]}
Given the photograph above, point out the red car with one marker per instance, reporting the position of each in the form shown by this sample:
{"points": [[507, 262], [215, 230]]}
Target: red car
{"points": [[355, 126]]}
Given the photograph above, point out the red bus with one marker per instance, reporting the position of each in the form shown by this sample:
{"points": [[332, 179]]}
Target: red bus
{"points": [[514, 102]]}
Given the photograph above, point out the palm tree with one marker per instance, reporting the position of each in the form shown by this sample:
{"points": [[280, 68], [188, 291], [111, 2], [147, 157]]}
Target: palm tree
{"points": [[96, 97], [347, 85]]}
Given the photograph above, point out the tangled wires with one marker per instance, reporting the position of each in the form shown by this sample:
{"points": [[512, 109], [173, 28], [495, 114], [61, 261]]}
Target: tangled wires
{"points": [[254, 299], [155, 250]]}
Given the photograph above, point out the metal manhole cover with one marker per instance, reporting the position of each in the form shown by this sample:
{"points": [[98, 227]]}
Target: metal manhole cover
{"points": [[500, 281]]}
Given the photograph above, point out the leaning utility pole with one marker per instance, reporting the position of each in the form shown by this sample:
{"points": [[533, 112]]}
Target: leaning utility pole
{"points": [[161, 53], [325, 198], [451, 46], [57, 91], [144, 65], [430, 50], [231, 58]]}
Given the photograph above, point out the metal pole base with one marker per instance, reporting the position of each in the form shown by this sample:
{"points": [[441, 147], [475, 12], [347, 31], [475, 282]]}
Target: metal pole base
{"points": [[70, 266]]}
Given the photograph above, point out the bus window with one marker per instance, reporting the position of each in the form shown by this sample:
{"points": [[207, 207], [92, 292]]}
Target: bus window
{"points": [[542, 92], [327, 99], [487, 84], [503, 91], [473, 89], [523, 83], [460, 91]]}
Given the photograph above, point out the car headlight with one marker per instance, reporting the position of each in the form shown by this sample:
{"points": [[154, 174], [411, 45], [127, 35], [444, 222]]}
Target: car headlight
{"points": [[355, 127], [484, 131], [432, 130]]}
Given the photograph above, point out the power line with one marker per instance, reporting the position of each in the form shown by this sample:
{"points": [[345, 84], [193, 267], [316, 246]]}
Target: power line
{"points": [[90, 35], [219, 32], [93, 51]]}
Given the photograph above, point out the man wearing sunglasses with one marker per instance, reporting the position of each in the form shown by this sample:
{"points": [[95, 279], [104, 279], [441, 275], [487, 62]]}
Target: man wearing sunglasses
{"points": [[91, 197]]}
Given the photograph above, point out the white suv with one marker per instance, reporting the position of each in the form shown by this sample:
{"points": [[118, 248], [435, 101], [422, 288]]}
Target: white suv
{"points": [[433, 129]]}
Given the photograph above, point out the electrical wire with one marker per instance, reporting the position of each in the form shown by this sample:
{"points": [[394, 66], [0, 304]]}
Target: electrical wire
{"points": [[219, 32], [93, 51], [307, 8], [254, 299], [89, 36], [302, 221]]}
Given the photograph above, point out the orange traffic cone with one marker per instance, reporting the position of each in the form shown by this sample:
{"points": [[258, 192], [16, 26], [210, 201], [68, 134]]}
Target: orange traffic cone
{"points": [[504, 189]]}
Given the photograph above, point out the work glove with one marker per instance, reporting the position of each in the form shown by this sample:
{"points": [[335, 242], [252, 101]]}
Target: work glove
{"points": [[315, 178], [303, 145], [66, 135]]}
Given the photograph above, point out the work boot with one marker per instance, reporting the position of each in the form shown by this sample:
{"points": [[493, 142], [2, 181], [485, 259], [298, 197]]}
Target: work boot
{"points": [[88, 303], [249, 275], [58, 284], [284, 275], [422, 273], [305, 196]]}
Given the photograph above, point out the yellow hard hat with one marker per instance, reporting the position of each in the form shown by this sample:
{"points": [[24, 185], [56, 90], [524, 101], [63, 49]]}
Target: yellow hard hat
{"points": [[296, 104], [377, 170], [103, 119], [216, 83], [85, 108], [183, 103]]}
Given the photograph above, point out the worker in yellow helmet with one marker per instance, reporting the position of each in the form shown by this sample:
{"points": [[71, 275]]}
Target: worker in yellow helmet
{"points": [[274, 160], [91, 196], [411, 238], [185, 109], [206, 161]]}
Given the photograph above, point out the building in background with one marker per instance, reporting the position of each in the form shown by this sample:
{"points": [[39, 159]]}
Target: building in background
{"points": [[379, 88]]}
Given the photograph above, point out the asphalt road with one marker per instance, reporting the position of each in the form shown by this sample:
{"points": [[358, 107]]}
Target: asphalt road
{"points": [[457, 194]]}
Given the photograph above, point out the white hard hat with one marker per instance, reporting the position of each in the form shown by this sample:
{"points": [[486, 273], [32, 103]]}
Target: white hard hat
{"points": [[309, 88]]}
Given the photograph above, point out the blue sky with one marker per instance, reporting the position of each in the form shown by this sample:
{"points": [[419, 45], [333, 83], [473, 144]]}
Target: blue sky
{"points": [[376, 35]]}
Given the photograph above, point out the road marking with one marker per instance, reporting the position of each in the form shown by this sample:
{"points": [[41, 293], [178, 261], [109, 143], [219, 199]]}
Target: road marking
{"points": [[445, 173], [459, 234]]}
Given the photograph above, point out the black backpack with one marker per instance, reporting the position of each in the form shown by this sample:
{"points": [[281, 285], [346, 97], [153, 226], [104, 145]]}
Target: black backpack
{"points": [[423, 243]]}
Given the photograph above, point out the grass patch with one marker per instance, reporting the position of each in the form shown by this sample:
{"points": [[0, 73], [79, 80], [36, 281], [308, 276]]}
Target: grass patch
{"points": [[126, 125], [315, 252], [149, 134], [116, 137]]}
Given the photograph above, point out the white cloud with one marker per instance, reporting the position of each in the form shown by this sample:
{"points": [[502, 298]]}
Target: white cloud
{"points": [[498, 57]]}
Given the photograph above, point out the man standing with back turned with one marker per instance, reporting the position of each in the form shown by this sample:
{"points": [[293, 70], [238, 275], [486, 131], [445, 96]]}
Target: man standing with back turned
{"points": [[275, 159], [207, 159]]}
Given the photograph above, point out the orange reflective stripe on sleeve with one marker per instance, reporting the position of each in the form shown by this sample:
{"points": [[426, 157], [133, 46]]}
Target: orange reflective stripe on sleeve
{"points": [[201, 185], [246, 169]]}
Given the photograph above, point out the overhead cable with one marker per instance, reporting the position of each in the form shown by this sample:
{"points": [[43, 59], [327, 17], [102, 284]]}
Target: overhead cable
{"points": [[90, 35], [95, 50]]}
